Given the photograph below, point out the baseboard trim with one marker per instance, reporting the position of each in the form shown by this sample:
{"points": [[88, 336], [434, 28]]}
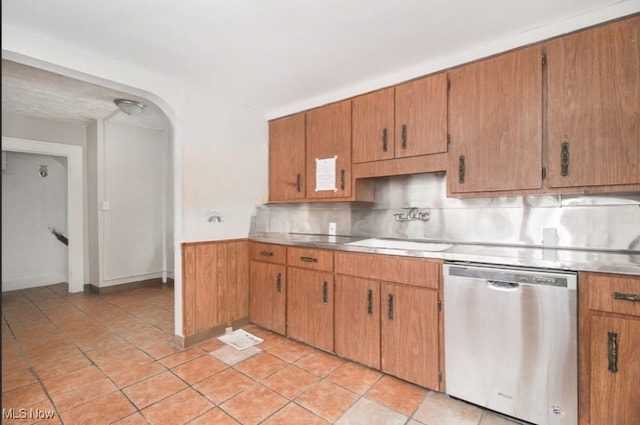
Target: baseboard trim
{"points": [[97, 290], [184, 342]]}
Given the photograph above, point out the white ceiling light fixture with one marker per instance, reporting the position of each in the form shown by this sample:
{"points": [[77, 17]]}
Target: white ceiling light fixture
{"points": [[129, 107]]}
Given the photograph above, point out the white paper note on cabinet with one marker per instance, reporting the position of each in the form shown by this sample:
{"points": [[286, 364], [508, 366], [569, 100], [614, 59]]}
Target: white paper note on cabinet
{"points": [[326, 174]]}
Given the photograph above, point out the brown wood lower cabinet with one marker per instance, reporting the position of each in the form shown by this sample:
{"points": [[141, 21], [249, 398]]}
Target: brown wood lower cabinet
{"points": [[310, 307], [609, 349], [409, 334], [357, 319], [395, 327], [268, 285], [268, 295]]}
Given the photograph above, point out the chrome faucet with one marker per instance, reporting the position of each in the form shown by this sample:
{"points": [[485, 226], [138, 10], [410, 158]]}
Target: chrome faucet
{"points": [[413, 214]]}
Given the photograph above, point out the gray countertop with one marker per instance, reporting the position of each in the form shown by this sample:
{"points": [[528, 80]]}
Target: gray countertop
{"points": [[624, 262]]}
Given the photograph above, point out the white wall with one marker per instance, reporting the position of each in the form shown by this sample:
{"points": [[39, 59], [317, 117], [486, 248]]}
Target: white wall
{"points": [[31, 206], [136, 174]]}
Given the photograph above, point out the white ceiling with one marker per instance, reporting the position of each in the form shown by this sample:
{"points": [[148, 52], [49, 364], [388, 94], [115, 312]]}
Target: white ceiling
{"points": [[264, 53]]}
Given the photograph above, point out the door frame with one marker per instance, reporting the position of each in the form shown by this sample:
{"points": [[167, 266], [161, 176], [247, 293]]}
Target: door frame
{"points": [[75, 198]]}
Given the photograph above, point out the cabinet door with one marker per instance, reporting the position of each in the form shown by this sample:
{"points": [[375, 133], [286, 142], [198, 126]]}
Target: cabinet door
{"points": [[373, 126], [287, 158], [593, 104], [329, 136], [421, 116], [310, 307], [357, 319], [495, 122], [268, 295], [615, 370], [409, 334]]}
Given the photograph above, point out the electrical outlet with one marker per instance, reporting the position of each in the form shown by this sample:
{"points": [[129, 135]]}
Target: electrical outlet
{"points": [[332, 229], [228, 330]]}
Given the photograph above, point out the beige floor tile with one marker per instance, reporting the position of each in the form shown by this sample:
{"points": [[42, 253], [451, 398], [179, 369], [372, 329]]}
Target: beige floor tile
{"points": [[179, 408], [226, 384], [254, 405], [19, 378], [153, 389], [319, 363], [397, 394], [355, 377], [260, 366], [293, 414], [367, 412], [327, 400], [439, 409], [80, 395], [290, 350], [198, 369], [291, 381], [233, 356], [130, 375], [182, 357], [214, 417], [104, 410]]}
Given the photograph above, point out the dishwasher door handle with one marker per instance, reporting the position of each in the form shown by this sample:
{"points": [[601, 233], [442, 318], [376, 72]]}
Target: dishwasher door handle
{"points": [[500, 285]]}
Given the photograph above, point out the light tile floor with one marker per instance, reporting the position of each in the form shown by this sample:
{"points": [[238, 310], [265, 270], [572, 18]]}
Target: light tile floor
{"points": [[109, 359]]}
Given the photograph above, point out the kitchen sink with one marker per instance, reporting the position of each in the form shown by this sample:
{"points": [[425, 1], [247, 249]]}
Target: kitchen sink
{"points": [[400, 244]]}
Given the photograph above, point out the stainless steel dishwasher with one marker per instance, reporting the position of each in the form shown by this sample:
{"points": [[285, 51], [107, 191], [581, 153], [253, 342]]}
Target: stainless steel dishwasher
{"points": [[510, 341]]}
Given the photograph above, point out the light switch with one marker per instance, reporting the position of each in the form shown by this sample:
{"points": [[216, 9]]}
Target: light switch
{"points": [[106, 205]]}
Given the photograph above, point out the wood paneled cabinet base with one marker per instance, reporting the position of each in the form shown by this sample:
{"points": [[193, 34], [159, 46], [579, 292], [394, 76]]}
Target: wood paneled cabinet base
{"points": [[215, 284]]}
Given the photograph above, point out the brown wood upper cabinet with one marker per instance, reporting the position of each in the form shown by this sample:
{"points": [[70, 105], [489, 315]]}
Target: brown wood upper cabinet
{"points": [[287, 177], [495, 123], [328, 133], [594, 106], [407, 120]]}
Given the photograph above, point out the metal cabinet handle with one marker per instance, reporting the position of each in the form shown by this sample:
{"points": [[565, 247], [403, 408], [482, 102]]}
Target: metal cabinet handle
{"points": [[342, 179], [384, 140], [461, 169], [266, 253], [309, 259], [279, 282], [390, 306], [626, 297], [564, 159], [612, 351], [298, 185], [370, 301], [404, 136], [325, 292]]}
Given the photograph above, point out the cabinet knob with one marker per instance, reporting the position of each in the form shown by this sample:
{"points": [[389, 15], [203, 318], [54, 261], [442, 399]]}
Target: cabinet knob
{"points": [[266, 253], [612, 351], [384, 140], [325, 292], [564, 159], [370, 301], [390, 306], [404, 136], [279, 283], [342, 179], [298, 185], [461, 169], [626, 297]]}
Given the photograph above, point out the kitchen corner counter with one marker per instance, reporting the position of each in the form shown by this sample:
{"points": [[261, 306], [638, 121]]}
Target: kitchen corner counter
{"points": [[623, 262]]}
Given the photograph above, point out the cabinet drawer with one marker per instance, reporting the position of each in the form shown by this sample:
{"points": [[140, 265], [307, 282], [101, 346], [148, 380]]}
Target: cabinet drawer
{"points": [[389, 268], [612, 293], [310, 258], [267, 252]]}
